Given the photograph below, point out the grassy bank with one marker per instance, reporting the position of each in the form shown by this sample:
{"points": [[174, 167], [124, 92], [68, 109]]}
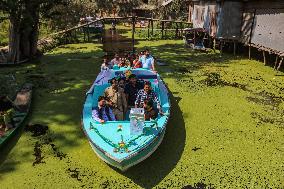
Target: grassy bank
{"points": [[226, 130]]}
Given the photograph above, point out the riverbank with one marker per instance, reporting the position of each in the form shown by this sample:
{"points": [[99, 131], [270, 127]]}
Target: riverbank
{"points": [[226, 130]]}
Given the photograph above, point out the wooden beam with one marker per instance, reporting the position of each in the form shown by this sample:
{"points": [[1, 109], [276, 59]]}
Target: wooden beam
{"points": [[133, 32], [280, 63], [249, 51], [149, 29], [152, 27], [163, 27], [276, 61], [221, 47], [176, 30], [264, 57], [214, 45], [235, 46]]}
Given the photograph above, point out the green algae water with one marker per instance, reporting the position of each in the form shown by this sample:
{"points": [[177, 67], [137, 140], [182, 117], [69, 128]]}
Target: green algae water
{"points": [[226, 129]]}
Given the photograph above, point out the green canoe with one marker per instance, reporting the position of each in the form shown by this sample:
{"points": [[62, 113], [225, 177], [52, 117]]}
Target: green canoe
{"points": [[20, 111]]}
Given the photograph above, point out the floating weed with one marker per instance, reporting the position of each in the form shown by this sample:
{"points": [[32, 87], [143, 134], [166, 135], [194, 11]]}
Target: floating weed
{"points": [[37, 129]]}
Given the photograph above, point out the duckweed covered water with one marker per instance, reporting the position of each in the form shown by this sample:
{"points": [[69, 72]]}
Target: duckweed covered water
{"points": [[226, 128]]}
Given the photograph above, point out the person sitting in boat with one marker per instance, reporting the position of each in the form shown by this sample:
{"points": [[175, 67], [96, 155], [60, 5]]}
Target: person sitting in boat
{"points": [[117, 99], [121, 82], [116, 60], [148, 61], [6, 112], [105, 65], [136, 63], [127, 61], [131, 90], [150, 111], [102, 112], [147, 94]]}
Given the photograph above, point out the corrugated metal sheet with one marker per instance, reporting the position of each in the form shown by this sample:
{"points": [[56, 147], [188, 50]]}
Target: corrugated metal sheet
{"points": [[268, 29], [229, 20], [263, 4]]}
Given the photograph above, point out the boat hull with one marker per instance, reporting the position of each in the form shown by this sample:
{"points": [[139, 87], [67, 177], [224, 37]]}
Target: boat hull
{"points": [[126, 164]]}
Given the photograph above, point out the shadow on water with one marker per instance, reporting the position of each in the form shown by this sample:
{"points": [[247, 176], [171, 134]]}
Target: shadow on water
{"points": [[53, 79], [151, 171], [114, 42]]}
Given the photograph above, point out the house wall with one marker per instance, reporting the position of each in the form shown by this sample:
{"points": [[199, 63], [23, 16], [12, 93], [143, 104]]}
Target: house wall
{"points": [[221, 20], [267, 30], [230, 20]]}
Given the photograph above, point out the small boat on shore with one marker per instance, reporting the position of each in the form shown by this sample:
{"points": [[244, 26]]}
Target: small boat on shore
{"points": [[20, 111], [114, 141]]}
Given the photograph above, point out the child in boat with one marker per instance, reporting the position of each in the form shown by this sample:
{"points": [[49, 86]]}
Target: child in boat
{"points": [[137, 63], [102, 112], [105, 65], [116, 60], [150, 111]]}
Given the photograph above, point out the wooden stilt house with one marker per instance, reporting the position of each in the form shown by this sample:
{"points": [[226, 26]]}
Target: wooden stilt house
{"points": [[255, 23]]}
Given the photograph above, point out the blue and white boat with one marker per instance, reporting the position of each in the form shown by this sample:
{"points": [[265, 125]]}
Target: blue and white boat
{"points": [[112, 141]]}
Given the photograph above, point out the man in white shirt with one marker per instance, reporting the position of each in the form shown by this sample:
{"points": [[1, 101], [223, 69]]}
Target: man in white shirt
{"points": [[148, 61]]}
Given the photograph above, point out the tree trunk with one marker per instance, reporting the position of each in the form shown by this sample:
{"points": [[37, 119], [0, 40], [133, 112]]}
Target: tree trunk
{"points": [[23, 35], [14, 38]]}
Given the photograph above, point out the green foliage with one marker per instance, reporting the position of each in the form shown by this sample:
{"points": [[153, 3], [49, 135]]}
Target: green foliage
{"points": [[4, 32], [121, 7], [69, 14], [176, 10], [9, 85]]}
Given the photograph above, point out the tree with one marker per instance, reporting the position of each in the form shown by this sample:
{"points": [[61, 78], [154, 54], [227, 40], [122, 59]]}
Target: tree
{"points": [[66, 16], [122, 7], [24, 16], [177, 9]]}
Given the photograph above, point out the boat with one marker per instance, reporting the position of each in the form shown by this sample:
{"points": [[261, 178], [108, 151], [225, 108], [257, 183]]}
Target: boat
{"points": [[114, 141], [21, 109]]}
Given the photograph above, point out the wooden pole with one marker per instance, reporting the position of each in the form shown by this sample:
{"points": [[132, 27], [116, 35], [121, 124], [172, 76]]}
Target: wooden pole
{"points": [[280, 63], [264, 57], [149, 29], [84, 30], [249, 51], [221, 47], [176, 30], [163, 27], [276, 61], [88, 33], [133, 31], [152, 27], [214, 45], [194, 40], [181, 28], [235, 46]]}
